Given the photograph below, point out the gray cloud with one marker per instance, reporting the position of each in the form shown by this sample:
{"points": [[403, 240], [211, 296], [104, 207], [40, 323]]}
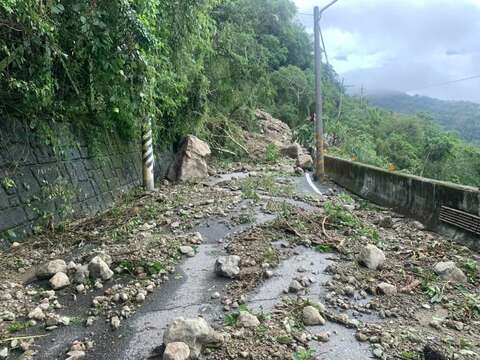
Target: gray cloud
{"points": [[413, 44]]}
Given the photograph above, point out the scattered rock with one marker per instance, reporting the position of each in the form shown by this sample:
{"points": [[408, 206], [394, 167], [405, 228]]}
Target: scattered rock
{"points": [[190, 162], [176, 351], [187, 250], [98, 268], [418, 225], [387, 289], [81, 274], [59, 281], [295, 286], [228, 266], [450, 272], [386, 222], [323, 336], [36, 314], [361, 337], [371, 257], [196, 333], [4, 353], [76, 354], [115, 322], [311, 316], [49, 269], [247, 320]]}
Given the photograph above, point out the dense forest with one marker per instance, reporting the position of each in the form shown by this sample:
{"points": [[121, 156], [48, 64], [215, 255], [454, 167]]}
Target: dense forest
{"points": [[200, 67], [462, 117]]}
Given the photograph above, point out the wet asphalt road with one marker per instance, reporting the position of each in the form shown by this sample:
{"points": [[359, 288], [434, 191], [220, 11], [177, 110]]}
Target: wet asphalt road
{"points": [[188, 294]]}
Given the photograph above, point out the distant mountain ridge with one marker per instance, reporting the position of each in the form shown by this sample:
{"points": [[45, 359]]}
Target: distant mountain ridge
{"points": [[460, 116]]}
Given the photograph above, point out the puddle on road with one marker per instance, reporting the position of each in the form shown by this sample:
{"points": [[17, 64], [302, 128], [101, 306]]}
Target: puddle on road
{"points": [[342, 344]]}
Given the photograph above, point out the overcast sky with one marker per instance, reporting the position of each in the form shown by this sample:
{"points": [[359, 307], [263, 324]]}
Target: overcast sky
{"points": [[403, 44]]}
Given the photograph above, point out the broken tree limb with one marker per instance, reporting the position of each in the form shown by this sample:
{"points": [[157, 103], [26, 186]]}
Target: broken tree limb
{"points": [[236, 142]]}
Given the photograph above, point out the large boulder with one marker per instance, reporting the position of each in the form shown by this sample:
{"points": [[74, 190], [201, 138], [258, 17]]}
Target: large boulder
{"points": [[371, 257], [276, 131], [195, 333], [450, 272], [190, 162], [228, 266]]}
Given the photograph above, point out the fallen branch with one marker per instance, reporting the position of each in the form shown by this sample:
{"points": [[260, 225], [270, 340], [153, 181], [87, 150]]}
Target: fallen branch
{"points": [[225, 151], [323, 227], [236, 142], [22, 338]]}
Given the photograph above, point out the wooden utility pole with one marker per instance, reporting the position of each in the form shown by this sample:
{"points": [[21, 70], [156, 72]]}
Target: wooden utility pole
{"points": [[319, 155]]}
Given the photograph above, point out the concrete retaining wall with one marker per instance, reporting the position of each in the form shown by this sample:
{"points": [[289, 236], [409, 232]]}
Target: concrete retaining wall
{"points": [[414, 196], [40, 182]]}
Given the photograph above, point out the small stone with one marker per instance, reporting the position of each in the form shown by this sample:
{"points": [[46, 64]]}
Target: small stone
{"points": [[115, 322], [349, 290], [216, 295], [361, 337], [140, 297], [323, 337], [295, 286], [80, 288], [418, 225], [36, 314], [187, 250], [76, 354], [247, 320], [98, 268], [244, 354], [387, 289], [450, 272], [59, 281], [378, 353], [4, 353], [81, 274], [371, 257], [268, 273], [436, 324], [386, 222], [196, 333], [51, 268], [176, 351], [312, 317], [7, 316], [228, 266]]}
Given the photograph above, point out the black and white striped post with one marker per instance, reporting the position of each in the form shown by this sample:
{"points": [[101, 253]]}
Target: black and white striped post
{"points": [[148, 157]]}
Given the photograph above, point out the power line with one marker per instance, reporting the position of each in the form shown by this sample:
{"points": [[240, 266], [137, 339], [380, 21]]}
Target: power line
{"points": [[446, 83], [323, 44]]}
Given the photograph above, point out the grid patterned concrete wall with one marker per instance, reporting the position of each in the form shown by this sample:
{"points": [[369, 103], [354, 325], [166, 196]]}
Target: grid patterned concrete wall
{"points": [[41, 182]]}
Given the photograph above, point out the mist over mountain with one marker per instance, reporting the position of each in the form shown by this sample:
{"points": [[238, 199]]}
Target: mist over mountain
{"points": [[462, 117]]}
